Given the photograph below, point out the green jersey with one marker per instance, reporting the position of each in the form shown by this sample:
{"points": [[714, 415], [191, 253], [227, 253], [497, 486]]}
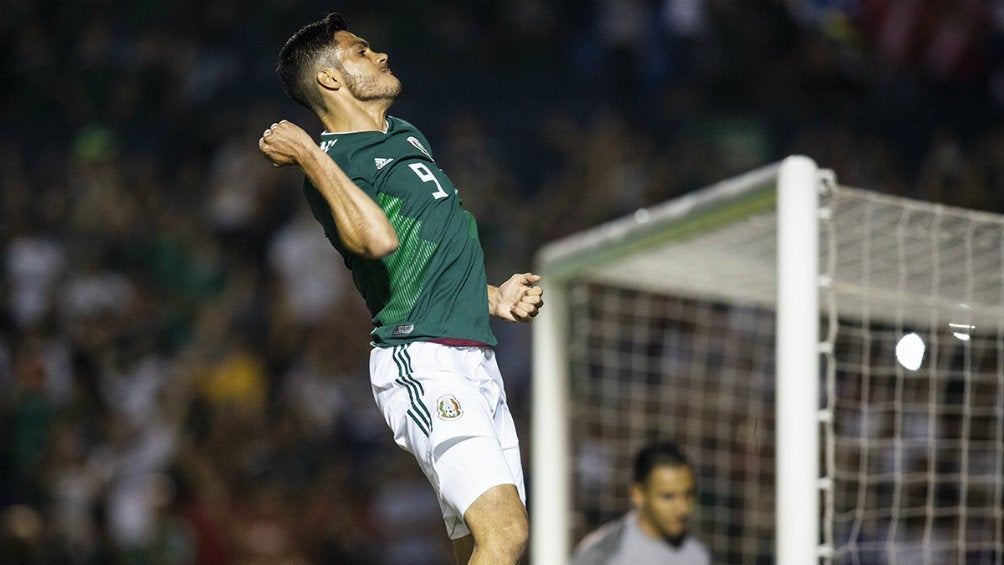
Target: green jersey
{"points": [[434, 286]]}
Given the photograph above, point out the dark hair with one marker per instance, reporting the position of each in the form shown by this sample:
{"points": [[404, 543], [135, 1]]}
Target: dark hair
{"points": [[656, 455], [302, 54]]}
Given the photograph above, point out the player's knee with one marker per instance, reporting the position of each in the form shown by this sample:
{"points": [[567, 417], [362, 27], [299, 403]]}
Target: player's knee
{"points": [[518, 534], [508, 539], [499, 522]]}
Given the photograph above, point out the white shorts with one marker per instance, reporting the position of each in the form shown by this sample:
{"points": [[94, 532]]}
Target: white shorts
{"points": [[446, 405]]}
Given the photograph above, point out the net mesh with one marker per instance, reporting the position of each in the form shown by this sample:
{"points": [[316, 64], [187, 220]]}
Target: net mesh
{"points": [[652, 366], [916, 445], [677, 342]]}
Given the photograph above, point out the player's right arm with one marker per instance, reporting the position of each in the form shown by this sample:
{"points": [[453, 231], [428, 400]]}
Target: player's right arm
{"points": [[362, 226]]}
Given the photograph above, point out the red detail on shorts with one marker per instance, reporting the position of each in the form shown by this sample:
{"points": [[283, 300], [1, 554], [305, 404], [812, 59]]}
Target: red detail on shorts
{"points": [[458, 342]]}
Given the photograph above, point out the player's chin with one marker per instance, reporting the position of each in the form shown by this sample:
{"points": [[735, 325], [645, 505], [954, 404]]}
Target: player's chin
{"points": [[675, 533], [394, 92], [676, 537]]}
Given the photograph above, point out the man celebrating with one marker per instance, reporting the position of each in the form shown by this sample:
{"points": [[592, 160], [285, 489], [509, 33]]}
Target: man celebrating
{"points": [[415, 257], [655, 532]]}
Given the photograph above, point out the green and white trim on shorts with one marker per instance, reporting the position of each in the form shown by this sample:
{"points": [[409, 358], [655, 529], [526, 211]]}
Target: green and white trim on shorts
{"points": [[446, 406]]}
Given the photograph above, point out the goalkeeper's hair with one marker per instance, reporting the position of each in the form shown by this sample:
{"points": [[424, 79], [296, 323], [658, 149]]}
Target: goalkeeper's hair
{"points": [[659, 454], [303, 54]]}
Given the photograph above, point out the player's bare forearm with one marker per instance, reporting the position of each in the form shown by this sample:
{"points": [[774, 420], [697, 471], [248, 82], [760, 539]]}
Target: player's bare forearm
{"points": [[517, 299], [362, 226]]}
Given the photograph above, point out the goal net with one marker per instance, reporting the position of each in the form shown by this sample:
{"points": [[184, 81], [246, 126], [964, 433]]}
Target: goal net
{"points": [[843, 404]]}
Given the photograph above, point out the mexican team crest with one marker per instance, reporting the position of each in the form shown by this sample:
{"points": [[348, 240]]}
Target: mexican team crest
{"points": [[418, 145], [449, 408]]}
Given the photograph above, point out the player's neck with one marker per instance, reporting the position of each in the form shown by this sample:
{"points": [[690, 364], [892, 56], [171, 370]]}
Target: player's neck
{"points": [[370, 116]]}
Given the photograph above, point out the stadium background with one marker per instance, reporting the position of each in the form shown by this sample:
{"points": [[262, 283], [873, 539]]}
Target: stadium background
{"points": [[182, 361]]}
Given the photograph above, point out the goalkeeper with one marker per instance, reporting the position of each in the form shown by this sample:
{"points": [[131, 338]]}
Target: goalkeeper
{"points": [[663, 494], [395, 217]]}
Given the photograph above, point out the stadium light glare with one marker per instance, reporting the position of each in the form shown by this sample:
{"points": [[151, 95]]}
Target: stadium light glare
{"points": [[910, 351], [961, 331]]}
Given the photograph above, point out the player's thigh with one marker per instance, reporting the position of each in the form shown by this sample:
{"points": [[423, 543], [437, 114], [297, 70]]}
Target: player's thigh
{"points": [[467, 466], [505, 430]]}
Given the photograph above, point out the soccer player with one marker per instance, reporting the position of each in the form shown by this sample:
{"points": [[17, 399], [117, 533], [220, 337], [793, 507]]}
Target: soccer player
{"points": [[397, 220], [655, 532]]}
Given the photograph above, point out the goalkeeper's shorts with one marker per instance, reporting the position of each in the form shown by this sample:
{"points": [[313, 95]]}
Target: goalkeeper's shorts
{"points": [[446, 405]]}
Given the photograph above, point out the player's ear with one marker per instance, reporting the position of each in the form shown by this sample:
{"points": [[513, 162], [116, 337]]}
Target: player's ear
{"points": [[637, 493], [329, 78]]}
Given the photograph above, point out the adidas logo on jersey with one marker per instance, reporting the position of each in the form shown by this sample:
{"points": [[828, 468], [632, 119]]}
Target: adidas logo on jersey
{"points": [[381, 163]]}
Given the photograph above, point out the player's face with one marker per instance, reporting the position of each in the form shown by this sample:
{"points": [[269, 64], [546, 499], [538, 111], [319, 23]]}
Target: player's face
{"points": [[665, 501], [364, 71]]}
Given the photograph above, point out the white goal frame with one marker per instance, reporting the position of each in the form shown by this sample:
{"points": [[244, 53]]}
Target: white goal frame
{"points": [[792, 186]]}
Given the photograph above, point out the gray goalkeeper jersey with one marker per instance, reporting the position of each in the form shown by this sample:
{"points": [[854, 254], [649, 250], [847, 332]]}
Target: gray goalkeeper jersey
{"points": [[623, 542]]}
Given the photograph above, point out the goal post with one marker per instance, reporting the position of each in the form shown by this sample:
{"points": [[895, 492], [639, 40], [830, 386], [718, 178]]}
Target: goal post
{"points": [[830, 359], [797, 362], [609, 251]]}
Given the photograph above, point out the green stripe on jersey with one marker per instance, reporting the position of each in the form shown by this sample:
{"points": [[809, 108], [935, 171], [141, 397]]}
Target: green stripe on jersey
{"points": [[408, 266]]}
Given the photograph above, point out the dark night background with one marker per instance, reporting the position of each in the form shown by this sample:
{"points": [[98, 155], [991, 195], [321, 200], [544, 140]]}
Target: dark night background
{"points": [[183, 370]]}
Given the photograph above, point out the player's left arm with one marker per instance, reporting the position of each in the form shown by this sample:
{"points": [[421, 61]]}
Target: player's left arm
{"points": [[517, 299]]}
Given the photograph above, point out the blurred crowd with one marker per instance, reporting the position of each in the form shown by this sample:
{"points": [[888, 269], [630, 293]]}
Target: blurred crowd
{"points": [[183, 361]]}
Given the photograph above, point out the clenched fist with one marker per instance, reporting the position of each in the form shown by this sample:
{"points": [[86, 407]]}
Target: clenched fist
{"points": [[517, 300], [284, 143]]}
